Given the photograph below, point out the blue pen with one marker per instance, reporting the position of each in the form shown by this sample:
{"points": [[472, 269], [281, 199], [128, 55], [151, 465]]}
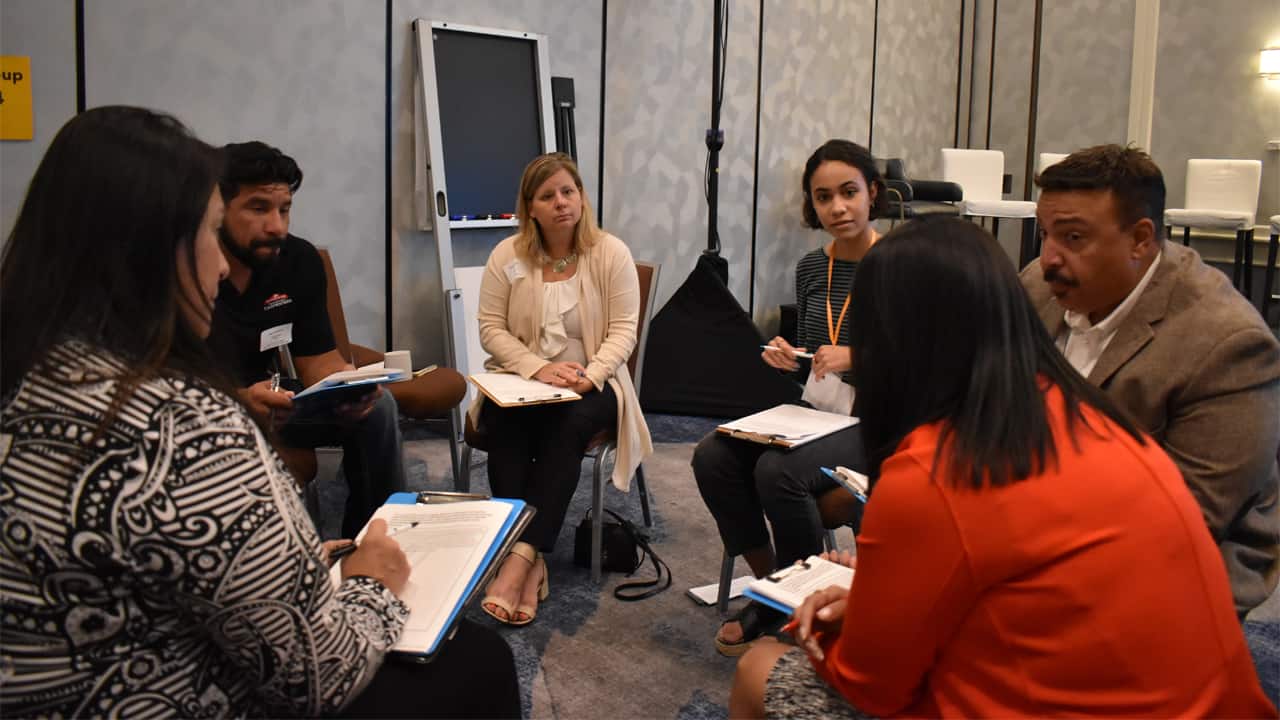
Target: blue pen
{"points": [[844, 483]]}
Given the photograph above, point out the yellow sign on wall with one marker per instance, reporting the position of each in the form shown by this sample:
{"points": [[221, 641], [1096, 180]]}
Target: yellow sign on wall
{"points": [[15, 97]]}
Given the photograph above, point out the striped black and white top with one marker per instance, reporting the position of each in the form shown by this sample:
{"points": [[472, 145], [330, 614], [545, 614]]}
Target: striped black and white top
{"points": [[165, 566], [811, 302]]}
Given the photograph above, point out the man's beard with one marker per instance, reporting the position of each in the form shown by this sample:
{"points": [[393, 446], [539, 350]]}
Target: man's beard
{"points": [[246, 255]]}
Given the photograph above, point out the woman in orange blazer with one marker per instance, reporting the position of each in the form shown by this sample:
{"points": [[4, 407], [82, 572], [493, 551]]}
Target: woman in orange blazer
{"points": [[1025, 550]]}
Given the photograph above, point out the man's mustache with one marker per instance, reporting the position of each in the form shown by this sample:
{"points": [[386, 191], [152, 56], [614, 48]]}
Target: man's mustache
{"points": [[1053, 276], [271, 243]]}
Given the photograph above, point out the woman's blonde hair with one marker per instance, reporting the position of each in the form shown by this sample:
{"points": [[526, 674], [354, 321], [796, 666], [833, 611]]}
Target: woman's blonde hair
{"points": [[529, 236]]}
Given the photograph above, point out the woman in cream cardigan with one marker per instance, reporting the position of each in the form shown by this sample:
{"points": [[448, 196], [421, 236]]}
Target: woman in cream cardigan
{"points": [[559, 303]]}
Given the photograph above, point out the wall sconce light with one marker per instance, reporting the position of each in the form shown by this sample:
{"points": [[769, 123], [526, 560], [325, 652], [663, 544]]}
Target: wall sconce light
{"points": [[1269, 63]]}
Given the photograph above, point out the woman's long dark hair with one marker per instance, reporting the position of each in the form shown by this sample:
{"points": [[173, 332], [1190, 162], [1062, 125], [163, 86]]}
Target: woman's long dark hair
{"points": [[113, 208], [942, 330]]}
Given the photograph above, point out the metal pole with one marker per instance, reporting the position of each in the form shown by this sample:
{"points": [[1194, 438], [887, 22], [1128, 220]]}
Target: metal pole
{"points": [[715, 138]]}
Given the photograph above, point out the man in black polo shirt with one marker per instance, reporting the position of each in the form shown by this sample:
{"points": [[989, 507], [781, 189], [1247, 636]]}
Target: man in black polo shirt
{"points": [[274, 297]]}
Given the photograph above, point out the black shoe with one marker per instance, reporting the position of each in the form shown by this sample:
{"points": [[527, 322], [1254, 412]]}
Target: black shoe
{"points": [[757, 621]]}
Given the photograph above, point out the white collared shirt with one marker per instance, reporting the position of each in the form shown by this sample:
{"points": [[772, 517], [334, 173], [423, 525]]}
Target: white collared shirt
{"points": [[1082, 342]]}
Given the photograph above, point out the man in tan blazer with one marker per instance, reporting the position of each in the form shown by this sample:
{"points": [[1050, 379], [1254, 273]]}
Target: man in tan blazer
{"points": [[1170, 341]]}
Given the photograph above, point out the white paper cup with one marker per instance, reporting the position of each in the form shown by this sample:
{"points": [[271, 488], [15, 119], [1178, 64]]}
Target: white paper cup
{"points": [[398, 360]]}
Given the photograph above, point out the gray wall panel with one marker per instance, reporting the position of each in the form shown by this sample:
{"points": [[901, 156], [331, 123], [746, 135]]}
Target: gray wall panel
{"points": [[916, 56], [658, 108], [46, 32], [306, 77], [817, 86], [573, 32], [1085, 53], [1014, 35], [1209, 100]]}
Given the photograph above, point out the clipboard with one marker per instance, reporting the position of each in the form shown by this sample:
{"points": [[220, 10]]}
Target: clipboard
{"points": [[786, 426], [510, 390], [507, 537]]}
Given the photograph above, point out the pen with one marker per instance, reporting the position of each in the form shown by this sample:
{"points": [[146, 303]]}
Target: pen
{"points": [[346, 550], [275, 382], [797, 353]]}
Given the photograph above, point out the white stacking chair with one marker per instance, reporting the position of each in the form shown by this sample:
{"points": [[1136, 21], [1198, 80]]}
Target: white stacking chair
{"points": [[1222, 195], [1047, 159], [980, 173]]}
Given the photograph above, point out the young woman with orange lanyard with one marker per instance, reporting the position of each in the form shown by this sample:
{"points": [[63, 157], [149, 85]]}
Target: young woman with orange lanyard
{"points": [[743, 483]]}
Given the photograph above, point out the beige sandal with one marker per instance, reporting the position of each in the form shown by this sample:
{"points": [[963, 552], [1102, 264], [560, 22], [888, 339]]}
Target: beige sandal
{"points": [[544, 590], [526, 552]]}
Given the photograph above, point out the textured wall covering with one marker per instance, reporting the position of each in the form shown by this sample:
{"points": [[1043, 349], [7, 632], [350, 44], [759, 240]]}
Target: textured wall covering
{"points": [[573, 32], [916, 54], [46, 32], [306, 77], [1014, 34], [657, 110], [817, 85], [1209, 100], [1085, 53]]}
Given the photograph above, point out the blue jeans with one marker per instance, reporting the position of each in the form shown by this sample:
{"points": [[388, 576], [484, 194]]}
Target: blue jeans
{"points": [[372, 458]]}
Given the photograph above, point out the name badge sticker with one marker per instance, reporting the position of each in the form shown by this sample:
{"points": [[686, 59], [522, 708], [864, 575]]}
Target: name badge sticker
{"points": [[273, 338]]}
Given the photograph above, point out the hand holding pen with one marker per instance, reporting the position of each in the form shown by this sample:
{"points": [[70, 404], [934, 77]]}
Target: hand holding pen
{"points": [[378, 556], [823, 611], [565, 374], [351, 546], [779, 354]]}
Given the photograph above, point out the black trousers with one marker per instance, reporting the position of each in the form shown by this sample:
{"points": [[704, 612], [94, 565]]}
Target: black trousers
{"points": [[535, 454], [474, 676], [743, 483]]}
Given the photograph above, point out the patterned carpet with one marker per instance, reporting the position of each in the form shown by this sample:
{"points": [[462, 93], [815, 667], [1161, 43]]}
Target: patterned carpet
{"points": [[588, 655]]}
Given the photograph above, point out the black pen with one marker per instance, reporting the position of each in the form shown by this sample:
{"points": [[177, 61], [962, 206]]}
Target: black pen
{"points": [[351, 547]]}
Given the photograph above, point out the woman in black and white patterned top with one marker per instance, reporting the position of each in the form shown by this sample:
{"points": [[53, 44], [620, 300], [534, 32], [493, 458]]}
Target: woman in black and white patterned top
{"points": [[155, 558], [744, 483]]}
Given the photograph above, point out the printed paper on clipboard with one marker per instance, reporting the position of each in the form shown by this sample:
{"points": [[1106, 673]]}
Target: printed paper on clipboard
{"points": [[787, 426]]}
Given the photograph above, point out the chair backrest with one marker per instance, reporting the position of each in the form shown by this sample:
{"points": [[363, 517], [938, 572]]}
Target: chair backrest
{"points": [[333, 303], [648, 274], [1047, 159], [1224, 185], [979, 172]]}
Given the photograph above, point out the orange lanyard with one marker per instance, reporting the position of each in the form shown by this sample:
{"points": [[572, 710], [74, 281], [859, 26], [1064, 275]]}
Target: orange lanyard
{"points": [[834, 331]]}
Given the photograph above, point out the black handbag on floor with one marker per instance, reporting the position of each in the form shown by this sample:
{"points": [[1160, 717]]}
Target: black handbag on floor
{"points": [[623, 548]]}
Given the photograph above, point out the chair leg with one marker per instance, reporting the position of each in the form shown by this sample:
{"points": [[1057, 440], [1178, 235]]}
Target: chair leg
{"points": [[644, 496], [1238, 262], [726, 582], [1168, 232], [453, 459], [830, 540], [995, 227], [1026, 252], [1270, 275], [462, 476], [1186, 235], [1247, 269], [597, 518]]}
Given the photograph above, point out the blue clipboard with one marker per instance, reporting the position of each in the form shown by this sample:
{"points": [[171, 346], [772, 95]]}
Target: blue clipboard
{"points": [[518, 518], [749, 593]]}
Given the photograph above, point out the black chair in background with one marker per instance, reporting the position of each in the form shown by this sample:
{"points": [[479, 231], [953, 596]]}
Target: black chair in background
{"points": [[910, 198]]}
